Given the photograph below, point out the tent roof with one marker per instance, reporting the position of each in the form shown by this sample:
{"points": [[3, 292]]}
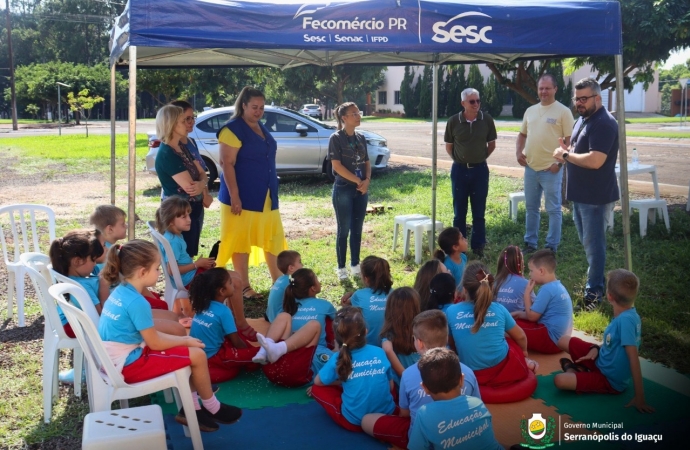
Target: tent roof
{"points": [[290, 33]]}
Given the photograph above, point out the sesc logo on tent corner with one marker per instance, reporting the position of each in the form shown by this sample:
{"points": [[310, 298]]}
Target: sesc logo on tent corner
{"points": [[471, 34]]}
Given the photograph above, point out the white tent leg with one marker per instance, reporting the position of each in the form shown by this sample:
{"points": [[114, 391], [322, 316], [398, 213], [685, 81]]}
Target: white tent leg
{"points": [[113, 96], [131, 188], [623, 160], [434, 152]]}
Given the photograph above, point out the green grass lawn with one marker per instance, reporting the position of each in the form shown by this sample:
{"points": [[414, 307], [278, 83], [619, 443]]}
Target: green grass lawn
{"points": [[660, 260]]}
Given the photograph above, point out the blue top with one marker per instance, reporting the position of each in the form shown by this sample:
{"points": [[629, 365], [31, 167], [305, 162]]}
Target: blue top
{"points": [[624, 330], [373, 306], [90, 285], [413, 397], [594, 186], [406, 361], [487, 347], [511, 294], [556, 309], [313, 309], [212, 325], [456, 269], [98, 267], [255, 168], [276, 296], [125, 314], [179, 248], [367, 389], [462, 421]]}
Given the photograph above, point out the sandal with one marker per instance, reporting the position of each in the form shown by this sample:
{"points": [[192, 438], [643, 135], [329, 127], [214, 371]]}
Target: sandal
{"points": [[256, 295], [567, 364], [248, 333]]}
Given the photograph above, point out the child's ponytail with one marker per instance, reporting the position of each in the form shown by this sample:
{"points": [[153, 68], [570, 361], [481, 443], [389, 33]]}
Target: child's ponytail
{"points": [[350, 331], [447, 239], [127, 258], [75, 244], [478, 282], [205, 286], [300, 282], [378, 273]]}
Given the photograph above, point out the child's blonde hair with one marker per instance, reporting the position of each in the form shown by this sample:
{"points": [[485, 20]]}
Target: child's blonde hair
{"points": [[127, 258], [171, 208], [623, 286], [105, 216]]}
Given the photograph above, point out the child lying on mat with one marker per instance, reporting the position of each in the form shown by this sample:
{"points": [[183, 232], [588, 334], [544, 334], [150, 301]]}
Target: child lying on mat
{"points": [[609, 368], [548, 321]]}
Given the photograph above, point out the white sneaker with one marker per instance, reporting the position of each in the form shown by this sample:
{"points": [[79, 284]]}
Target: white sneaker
{"points": [[342, 274], [356, 271]]}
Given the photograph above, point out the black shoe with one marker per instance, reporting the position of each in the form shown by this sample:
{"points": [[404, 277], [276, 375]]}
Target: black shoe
{"points": [[206, 422], [591, 301], [226, 415], [527, 249]]}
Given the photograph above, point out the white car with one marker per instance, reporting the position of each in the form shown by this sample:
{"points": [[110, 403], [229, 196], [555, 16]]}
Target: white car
{"points": [[302, 142], [311, 110]]}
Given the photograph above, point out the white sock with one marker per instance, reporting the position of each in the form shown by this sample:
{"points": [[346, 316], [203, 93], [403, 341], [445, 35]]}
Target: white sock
{"points": [[260, 357], [273, 350]]}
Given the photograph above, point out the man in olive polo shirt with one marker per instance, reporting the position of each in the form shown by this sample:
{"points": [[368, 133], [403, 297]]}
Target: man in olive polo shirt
{"points": [[470, 139]]}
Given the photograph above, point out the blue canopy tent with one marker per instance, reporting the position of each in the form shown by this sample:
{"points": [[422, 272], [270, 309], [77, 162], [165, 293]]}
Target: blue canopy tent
{"points": [[291, 33]]}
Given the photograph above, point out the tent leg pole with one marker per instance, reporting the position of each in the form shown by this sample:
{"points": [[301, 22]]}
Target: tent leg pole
{"points": [[113, 96], [131, 188], [434, 149], [623, 160]]}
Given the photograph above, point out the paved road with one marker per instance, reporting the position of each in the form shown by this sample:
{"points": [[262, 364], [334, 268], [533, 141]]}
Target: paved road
{"points": [[672, 157]]}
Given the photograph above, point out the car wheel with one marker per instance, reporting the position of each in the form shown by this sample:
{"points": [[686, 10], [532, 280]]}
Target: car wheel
{"points": [[328, 170], [212, 172]]}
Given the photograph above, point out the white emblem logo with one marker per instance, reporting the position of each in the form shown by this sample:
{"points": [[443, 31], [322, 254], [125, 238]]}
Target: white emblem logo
{"points": [[470, 33]]}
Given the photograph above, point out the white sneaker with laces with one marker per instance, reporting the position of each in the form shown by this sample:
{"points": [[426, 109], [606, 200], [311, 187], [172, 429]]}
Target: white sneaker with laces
{"points": [[342, 274], [356, 271]]}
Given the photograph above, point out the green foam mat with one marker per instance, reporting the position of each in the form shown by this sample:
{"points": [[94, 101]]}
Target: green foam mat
{"points": [[249, 390]]}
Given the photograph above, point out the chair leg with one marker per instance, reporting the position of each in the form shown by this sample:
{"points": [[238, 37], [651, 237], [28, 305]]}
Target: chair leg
{"points": [[20, 297], [643, 222], [667, 221], [11, 277], [168, 396], [49, 376], [396, 226], [406, 248], [418, 236], [183, 397], [78, 356]]}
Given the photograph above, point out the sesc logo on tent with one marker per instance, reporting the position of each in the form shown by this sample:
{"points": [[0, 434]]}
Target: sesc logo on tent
{"points": [[456, 33]]}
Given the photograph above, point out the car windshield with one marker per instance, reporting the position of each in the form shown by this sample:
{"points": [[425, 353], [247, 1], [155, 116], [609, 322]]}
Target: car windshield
{"points": [[311, 119]]}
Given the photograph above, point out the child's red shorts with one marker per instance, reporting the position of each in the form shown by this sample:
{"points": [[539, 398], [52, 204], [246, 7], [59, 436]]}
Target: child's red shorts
{"points": [[393, 430], [154, 363], [226, 364], [512, 369], [69, 331], [156, 301], [292, 369], [538, 338], [594, 380], [330, 398]]}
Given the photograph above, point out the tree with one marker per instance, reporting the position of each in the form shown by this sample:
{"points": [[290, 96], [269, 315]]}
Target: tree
{"points": [[456, 84], [82, 104], [494, 95], [426, 85], [520, 102], [476, 80], [442, 92], [407, 92], [33, 110]]}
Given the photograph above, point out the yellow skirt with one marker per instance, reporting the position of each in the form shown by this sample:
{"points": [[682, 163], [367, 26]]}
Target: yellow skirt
{"points": [[250, 232]]}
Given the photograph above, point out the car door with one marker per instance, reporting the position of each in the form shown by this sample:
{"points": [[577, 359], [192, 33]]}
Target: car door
{"points": [[205, 134], [297, 151]]}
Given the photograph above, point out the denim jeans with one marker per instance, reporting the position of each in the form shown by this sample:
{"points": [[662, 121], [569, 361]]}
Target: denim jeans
{"points": [[550, 184], [590, 222], [470, 183], [350, 208], [192, 236]]}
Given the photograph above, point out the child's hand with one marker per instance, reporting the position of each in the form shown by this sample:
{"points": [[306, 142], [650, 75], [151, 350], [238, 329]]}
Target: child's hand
{"points": [[193, 342], [640, 405], [592, 354], [345, 299], [206, 263], [530, 286], [518, 315], [309, 391]]}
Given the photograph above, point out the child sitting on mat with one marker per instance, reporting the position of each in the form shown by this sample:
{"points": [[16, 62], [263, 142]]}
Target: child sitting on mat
{"points": [[430, 331], [402, 307], [214, 325], [478, 327], [358, 380], [510, 284], [607, 369], [549, 320], [376, 276], [452, 252], [452, 418], [424, 275], [288, 262], [441, 292]]}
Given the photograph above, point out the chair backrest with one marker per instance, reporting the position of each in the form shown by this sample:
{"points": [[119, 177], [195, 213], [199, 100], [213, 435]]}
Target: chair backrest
{"points": [[53, 325], [87, 335], [82, 296], [23, 229], [39, 262], [170, 287]]}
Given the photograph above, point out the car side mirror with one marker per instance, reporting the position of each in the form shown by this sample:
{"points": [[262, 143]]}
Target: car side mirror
{"points": [[301, 129]]}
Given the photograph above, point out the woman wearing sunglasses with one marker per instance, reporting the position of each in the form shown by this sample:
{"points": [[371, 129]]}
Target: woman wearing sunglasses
{"points": [[347, 151]]}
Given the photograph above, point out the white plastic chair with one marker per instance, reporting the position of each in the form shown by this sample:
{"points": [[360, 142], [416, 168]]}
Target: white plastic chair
{"points": [[54, 337], [172, 291], [24, 230], [106, 383]]}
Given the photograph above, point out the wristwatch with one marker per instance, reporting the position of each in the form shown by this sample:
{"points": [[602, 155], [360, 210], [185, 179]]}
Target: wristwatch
{"points": [[565, 156]]}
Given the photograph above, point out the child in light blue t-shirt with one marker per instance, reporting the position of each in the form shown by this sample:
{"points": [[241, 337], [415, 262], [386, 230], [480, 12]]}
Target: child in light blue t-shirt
{"points": [[360, 375], [510, 285], [288, 262], [172, 218], [452, 252], [376, 276], [402, 307], [452, 418], [441, 292], [549, 319]]}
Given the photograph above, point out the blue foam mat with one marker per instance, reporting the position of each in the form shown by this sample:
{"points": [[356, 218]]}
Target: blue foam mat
{"points": [[291, 427]]}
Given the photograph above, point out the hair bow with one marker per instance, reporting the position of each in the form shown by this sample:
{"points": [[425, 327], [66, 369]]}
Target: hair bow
{"points": [[483, 276]]}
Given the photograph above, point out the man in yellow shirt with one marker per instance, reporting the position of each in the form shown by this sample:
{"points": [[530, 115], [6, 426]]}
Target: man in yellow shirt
{"points": [[542, 125]]}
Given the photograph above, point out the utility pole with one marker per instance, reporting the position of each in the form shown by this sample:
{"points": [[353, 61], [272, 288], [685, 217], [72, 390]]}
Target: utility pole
{"points": [[11, 58]]}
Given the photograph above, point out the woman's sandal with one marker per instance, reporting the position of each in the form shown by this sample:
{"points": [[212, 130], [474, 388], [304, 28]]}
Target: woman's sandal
{"points": [[247, 333], [256, 295], [567, 364]]}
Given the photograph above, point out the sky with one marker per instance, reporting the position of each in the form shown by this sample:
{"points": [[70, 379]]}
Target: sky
{"points": [[678, 57]]}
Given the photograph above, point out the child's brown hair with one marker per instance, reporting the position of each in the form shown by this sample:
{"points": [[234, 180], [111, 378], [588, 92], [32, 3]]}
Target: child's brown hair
{"points": [[285, 259], [478, 282], [127, 258], [402, 306], [377, 271], [544, 259], [300, 283], [447, 239], [171, 208], [350, 331], [105, 216], [440, 370], [431, 327], [75, 244], [510, 262], [623, 286], [421, 283]]}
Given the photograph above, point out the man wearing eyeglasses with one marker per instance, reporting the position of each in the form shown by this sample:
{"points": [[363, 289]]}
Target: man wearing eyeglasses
{"points": [[591, 183], [470, 139], [542, 125]]}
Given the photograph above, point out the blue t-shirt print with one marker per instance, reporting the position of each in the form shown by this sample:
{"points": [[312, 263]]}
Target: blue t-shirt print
{"points": [[212, 326], [373, 306]]}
